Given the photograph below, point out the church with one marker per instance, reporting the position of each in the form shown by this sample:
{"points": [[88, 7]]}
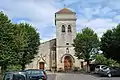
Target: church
{"points": [[59, 53]]}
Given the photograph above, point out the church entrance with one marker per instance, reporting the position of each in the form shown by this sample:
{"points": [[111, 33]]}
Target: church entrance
{"points": [[67, 63], [41, 65]]}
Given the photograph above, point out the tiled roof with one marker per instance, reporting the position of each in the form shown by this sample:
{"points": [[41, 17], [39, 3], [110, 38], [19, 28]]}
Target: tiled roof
{"points": [[65, 11]]}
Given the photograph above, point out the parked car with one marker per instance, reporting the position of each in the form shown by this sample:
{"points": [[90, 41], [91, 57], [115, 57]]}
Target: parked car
{"points": [[99, 68], [110, 71], [15, 76], [36, 74]]}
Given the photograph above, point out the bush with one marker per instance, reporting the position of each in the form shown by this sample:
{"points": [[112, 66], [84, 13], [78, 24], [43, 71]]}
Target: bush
{"points": [[100, 59], [14, 68], [111, 62]]}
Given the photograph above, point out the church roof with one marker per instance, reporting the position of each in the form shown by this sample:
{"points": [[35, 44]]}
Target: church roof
{"points": [[65, 11]]}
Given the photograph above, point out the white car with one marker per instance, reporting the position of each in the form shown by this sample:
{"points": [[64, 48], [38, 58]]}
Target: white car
{"points": [[99, 67]]}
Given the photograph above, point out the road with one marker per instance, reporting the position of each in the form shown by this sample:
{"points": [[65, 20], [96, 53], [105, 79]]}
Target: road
{"points": [[71, 76]]}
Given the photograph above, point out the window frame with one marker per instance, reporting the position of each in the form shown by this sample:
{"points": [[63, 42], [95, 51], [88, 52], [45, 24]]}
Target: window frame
{"points": [[69, 28], [63, 28]]}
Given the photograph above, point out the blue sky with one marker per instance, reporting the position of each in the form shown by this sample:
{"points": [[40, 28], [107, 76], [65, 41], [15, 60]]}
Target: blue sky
{"points": [[99, 15]]}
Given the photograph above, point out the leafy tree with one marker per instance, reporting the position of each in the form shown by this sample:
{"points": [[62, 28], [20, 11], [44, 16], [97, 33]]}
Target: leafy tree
{"points": [[111, 62], [6, 42], [18, 43], [84, 43], [101, 59], [13, 68], [110, 43], [29, 41]]}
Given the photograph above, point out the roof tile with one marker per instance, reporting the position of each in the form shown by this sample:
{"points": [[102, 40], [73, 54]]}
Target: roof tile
{"points": [[65, 11]]}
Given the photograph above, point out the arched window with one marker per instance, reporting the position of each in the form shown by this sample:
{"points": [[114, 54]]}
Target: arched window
{"points": [[63, 28], [69, 28]]}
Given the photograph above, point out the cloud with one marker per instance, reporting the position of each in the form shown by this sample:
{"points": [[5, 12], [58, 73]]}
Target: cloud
{"points": [[38, 13], [99, 15], [99, 25], [117, 18]]}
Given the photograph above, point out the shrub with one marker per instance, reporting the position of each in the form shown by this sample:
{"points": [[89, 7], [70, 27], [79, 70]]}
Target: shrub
{"points": [[14, 68], [100, 59]]}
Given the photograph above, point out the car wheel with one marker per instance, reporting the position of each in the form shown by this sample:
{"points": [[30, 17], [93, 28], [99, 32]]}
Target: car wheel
{"points": [[109, 75]]}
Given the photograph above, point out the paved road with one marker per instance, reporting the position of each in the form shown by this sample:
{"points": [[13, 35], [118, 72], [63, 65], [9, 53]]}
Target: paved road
{"points": [[71, 76], [52, 76]]}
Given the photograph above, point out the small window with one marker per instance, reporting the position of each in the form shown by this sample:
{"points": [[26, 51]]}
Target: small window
{"points": [[69, 28], [63, 28], [67, 43], [67, 50]]}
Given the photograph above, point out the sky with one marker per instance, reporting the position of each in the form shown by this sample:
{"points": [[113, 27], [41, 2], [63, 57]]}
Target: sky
{"points": [[99, 15]]}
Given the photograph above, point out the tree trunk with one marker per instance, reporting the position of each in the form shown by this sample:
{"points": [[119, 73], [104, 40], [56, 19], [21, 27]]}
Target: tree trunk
{"points": [[3, 69], [88, 68], [23, 66]]}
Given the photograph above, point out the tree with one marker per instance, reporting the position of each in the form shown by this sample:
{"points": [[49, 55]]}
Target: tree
{"points": [[29, 41], [18, 43], [110, 43], [84, 43], [6, 42], [101, 59]]}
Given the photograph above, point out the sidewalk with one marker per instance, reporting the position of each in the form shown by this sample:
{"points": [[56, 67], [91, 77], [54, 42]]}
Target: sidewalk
{"points": [[77, 72]]}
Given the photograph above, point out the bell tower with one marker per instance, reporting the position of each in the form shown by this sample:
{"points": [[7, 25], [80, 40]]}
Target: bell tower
{"points": [[65, 21]]}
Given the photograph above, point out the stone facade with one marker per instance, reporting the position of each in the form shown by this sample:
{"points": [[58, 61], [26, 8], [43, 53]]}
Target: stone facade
{"points": [[53, 53]]}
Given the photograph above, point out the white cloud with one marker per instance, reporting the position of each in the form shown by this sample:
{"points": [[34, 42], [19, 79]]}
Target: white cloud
{"points": [[99, 25], [36, 12], [40, 13], [69, 2]]}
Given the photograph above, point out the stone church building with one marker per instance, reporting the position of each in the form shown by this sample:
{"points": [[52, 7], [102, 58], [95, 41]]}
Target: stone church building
{"points": [[58, 53]]}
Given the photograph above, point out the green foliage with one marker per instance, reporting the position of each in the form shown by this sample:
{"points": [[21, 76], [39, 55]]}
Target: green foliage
{"points": [[29, 47], [101, 59], [111, 62], [18, 43], [6, 42], [13, 68], [110, 43], [85, 42]]}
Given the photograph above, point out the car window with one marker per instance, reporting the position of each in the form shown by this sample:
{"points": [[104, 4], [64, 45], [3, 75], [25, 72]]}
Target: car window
{"points": [[29, 72], [97, 66], [8, 77], [19, 77], [103, 66], [37, 72]]}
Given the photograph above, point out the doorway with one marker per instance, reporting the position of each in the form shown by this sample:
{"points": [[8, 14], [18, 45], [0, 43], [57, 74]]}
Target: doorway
{"points": [[67, 63], [41, 65]]}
